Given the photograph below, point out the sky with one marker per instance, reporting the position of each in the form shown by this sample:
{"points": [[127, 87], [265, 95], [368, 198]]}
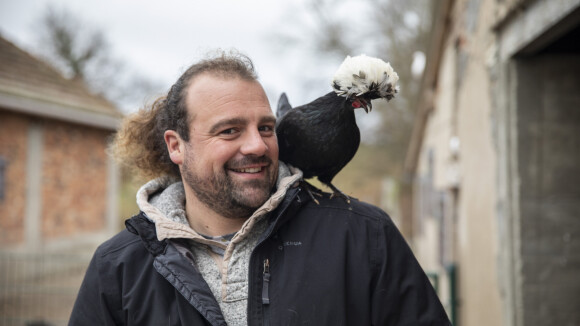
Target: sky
{"points": [[160, 39]]}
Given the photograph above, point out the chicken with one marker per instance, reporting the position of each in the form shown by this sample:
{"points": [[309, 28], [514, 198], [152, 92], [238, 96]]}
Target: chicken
{"points": [[321, 137]]}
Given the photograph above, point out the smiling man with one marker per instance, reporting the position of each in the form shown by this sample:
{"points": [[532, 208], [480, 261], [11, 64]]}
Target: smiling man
{"points": [[226, 236], [229, 165]]}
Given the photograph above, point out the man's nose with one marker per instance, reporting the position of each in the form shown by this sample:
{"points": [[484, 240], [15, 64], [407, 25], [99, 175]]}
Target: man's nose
{"points": [[254, 144]]}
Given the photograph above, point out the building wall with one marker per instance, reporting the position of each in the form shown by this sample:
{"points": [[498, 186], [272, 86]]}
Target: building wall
{"points": [[431, 176], [13, 140], [74, 180], [432, 185], [459, 133], [507, 88], [548, 126], [58, 181], [537, 135], [477, 222]]}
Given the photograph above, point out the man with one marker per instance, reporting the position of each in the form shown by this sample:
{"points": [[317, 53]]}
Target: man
{"points": [[226, 236]]}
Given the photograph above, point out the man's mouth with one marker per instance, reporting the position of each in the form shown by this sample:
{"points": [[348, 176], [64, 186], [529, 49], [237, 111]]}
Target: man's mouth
{"points": [[248, 170]]}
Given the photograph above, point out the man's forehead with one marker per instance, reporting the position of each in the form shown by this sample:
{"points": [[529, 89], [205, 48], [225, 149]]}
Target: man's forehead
{"points": [[208, 87], [213, 82], [210, 95]]}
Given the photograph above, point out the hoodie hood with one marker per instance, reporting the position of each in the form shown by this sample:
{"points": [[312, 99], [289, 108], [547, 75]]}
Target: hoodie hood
{"points": [[163, 202]]}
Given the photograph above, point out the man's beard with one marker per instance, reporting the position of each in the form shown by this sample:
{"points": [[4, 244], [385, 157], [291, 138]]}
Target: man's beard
{"points": [[227, 197]]}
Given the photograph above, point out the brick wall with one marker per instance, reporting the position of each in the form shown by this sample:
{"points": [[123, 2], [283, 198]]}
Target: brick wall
{"points": [[75, 180], [73, 185], [13, 140]]}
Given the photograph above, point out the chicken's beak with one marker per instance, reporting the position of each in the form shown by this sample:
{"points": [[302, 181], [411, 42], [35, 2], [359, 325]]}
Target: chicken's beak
{"points": [[368, 106], [362, 103]]}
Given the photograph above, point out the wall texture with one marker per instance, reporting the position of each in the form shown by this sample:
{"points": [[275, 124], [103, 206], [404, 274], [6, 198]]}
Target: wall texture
{"points": [[55, 180], [74, 179], [548, 125], [13, 140]]}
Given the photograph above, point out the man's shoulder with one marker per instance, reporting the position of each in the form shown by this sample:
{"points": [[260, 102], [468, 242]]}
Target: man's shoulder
{"points": [[123, 242], [353, 208]]}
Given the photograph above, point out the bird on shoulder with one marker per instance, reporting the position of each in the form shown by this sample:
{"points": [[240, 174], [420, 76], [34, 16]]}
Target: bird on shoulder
{"points": [[322, 136]]}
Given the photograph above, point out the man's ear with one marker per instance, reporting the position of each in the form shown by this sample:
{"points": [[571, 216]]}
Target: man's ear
{"points": [[175, 146]]}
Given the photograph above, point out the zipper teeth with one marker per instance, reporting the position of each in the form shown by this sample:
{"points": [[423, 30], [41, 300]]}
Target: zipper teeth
{"points": [[266, 283], [266, 237], [266, 266]]}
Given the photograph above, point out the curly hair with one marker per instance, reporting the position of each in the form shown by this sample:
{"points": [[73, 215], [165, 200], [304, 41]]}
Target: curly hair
{"points": [[139, 143]]}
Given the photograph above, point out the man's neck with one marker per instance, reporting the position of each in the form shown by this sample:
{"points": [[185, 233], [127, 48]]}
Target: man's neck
{"points": [[206, 221]]}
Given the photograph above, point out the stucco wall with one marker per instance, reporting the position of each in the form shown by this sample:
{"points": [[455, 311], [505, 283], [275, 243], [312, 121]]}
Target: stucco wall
{"points": [[463, 109], [477, 252], [511, 97]]}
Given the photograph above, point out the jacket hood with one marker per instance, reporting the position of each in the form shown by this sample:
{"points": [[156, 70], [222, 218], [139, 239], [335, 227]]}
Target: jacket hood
{"points": [[162, 200]]}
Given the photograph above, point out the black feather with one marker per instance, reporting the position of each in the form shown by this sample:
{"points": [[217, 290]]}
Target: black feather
{"points": [[283, 106], [319, 138]]}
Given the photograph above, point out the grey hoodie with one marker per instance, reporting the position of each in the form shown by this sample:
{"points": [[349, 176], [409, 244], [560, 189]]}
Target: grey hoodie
{"points": [[163, 202]]}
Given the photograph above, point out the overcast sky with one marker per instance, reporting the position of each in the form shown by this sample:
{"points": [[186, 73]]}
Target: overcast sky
{"points": [[161, 38]]}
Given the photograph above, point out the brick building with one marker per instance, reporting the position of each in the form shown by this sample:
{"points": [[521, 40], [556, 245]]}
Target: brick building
{"points": [[58, 188], [494, 159]]}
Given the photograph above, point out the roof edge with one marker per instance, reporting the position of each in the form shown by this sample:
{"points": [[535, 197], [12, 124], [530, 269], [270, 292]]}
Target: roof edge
{"points": [[59, 112]]}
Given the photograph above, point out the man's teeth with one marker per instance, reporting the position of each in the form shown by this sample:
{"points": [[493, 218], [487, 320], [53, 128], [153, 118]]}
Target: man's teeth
{"points": [[249, 170]]}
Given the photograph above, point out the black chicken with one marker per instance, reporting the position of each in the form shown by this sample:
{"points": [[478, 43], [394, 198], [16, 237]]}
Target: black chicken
{"points": [[321, 137]]}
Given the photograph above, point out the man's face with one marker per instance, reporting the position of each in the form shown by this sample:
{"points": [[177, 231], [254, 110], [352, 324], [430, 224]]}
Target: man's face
{"points": [[231, 159]]}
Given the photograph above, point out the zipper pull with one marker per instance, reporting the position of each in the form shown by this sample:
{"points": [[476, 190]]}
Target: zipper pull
{"points": [[266, 283]]}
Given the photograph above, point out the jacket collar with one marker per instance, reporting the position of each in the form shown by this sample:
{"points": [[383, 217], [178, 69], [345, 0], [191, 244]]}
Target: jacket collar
{"points": [[142, 226], [295, 199], [145, 229], [162, 201]]}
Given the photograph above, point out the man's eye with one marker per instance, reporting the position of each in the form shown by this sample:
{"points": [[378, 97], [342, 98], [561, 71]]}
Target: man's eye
{"points": [[266, 128], [229, 131]]}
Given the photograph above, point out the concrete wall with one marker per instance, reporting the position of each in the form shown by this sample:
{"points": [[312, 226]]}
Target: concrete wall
{"points": [[548, 126]]}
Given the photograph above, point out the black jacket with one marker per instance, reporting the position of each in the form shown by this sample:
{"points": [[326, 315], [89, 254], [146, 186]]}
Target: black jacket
{"points": [[328, 264]]}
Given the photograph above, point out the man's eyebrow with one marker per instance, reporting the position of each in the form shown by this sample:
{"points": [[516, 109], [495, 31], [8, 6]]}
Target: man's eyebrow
{"points": [[228, 122], [268, 119], [238, 121]]}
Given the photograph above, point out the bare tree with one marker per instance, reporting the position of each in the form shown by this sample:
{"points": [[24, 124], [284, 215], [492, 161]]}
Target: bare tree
{"points": [[404, 29], [82, 52], [393, 30], [69, 44]]}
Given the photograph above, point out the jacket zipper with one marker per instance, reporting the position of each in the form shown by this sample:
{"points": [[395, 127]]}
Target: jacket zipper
{"points": [[266, 292], [265, 317], [266, 283]]}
